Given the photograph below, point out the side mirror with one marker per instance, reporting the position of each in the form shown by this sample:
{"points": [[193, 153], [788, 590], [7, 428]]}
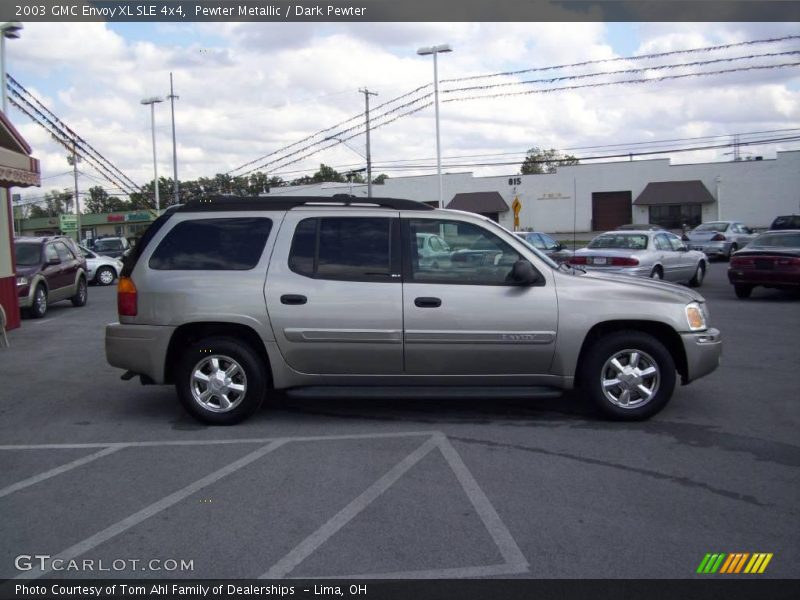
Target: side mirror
{"points": [[523, 273]]}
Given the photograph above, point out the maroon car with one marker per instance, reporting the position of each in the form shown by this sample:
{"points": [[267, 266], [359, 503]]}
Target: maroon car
{"points": [[771, 260], [49, 269]]}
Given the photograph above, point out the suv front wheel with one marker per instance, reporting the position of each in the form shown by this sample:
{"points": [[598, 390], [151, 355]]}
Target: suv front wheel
{"points": [[628, 375], [221, 381]]}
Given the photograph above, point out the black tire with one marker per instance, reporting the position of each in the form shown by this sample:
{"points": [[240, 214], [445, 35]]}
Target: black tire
{"points": [[742, 291], [105, 276], [81, 296], [253, 376], [652, 354], [657, 273], [39, 307], [699, 275]]}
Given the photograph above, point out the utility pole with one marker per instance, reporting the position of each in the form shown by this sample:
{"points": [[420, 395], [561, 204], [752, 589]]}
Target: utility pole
{"points": [[74, 159], [367, 94], [172, 97]]}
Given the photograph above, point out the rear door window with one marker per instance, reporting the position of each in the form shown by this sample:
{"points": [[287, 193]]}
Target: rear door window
{"points": [[347, 248], [212, 245]]}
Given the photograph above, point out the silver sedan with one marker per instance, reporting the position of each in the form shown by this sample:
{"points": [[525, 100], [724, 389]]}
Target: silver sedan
{"points": [[654, 254], [103, 270], [719, 238]]}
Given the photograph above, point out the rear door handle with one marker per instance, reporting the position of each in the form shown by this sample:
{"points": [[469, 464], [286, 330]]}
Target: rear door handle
{"points": [[427, 302], [293, 299]]}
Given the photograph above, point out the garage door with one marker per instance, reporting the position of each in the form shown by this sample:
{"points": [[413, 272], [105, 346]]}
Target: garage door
{"points": [[610, 210]]}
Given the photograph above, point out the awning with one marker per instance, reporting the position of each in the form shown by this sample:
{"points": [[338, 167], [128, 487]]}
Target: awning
{"points": [[17, 167], [674, 192], [479, 202]]}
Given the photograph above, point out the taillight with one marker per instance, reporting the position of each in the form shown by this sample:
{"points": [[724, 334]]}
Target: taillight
{"points": [[718, 238], [788, 262], [577, 260], [742, 261], [624, 262], [126, 297]]}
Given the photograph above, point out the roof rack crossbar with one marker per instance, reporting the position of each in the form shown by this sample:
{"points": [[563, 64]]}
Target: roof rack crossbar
{"points": [[234, 203]]}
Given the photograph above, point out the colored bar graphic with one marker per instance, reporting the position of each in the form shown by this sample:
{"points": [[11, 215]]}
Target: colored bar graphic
{"points": [[740, 564], [703, 563], [765, 563], [758, 558], [728, 564], [717, 563]]}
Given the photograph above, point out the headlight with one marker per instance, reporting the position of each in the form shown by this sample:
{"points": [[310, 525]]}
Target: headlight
{"points": [[22, 281], [695, 316]]}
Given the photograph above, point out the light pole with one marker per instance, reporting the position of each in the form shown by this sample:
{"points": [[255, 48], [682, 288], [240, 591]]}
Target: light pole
{"points": [[435, 50], [152, 102], [367, 94], [9, 30], [172, 97]]}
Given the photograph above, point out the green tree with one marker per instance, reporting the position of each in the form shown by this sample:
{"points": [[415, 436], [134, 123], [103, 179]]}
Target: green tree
{"points": [[380, 179], [100, 201], [540, 161]]}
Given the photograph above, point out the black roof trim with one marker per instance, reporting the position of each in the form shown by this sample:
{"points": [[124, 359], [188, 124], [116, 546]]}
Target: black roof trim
{"points": [[220, 203]]}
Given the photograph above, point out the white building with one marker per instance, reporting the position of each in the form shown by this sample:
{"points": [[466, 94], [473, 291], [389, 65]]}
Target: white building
{"points": [[599, 196]]}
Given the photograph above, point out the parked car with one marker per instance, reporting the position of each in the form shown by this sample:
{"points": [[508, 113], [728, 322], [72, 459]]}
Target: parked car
{"points": [[639, 227], [233, 298], [102, 270], [654, 254], [432, 250], [785, 222], [49, 269], [719, 238], [544, 243], [771, 260], [115, 247]]}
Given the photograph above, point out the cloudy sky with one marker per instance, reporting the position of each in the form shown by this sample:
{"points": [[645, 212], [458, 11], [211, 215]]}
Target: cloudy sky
{"points": [[250, 89]]}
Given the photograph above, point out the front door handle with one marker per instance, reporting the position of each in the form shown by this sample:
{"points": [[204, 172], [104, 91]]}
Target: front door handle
{"points": [[427, 302], [293, 299]]}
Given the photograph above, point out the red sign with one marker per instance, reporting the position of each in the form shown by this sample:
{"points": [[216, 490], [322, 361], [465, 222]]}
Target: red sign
{"points": [[115, 218]]}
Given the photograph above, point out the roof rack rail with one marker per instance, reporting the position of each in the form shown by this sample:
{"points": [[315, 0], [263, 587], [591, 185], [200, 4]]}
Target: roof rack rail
{"points": [[233, 203]]}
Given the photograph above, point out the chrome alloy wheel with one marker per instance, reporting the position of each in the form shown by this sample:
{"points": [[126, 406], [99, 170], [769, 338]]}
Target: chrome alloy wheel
{"points": [[106, 276], [630, 379], [218, 383], [40, 300]]}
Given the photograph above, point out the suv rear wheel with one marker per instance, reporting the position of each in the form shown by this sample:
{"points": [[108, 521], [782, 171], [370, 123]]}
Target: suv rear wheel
{"points": [[628, 375], [81, 294], [221, 381]]}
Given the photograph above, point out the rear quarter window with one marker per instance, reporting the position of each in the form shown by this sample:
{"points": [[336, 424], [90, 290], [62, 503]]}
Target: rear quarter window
{"points": [[212, 245]]}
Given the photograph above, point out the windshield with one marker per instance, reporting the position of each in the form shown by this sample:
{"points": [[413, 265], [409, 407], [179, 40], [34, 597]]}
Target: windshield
{"points": [[776, 240], [27, 255], [712, 227], [101, 245], [626, 241]]}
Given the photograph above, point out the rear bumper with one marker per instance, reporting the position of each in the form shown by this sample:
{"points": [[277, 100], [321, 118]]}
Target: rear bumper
{"points": [[703, 351], [141, 349], [632, 271], [765, 277], [711, 248]]}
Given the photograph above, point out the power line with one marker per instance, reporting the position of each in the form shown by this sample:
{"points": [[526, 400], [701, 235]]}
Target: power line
{"points": [[695, 63], [627, 58], [626, 81]]}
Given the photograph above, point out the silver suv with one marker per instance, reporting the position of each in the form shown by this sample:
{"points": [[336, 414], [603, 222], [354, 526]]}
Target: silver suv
{"points": [[232, 298]]}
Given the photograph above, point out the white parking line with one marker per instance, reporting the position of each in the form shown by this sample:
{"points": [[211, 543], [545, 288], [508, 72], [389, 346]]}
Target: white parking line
{"points": [[155, 508], [285, 565], [307, 438], [515, 561], [20, 485]]}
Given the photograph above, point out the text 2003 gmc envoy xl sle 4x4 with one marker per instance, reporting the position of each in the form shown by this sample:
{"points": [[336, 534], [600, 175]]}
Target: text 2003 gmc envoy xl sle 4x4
{"points": [[231, 298]]}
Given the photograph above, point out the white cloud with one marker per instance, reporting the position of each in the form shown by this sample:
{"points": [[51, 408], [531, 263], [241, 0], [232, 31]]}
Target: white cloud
{"points": [[247, 89]]}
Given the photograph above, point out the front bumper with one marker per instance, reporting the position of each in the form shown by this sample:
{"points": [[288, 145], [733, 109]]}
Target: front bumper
{"points": [[25, 296], [703, 351], [141, 349]]}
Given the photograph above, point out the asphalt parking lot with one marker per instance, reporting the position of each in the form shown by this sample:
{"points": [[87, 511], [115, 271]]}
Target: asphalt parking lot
{"points": [[95, 468]]}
